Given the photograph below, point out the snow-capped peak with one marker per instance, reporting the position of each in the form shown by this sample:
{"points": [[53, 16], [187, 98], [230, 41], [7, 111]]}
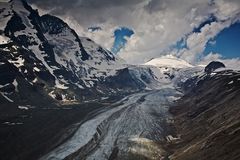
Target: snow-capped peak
{"points": [[168, 61]]}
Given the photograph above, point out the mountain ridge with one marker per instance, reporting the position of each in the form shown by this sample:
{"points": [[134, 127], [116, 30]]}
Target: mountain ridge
{"points": [[64, 96]]}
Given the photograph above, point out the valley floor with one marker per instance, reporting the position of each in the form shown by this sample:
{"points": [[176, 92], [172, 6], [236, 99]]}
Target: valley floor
{"points": [[134, 128]]}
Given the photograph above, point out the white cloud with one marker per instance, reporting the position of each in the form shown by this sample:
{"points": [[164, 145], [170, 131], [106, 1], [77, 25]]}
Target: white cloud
{"points": [[227, 14], [175, 23], [103, 37], [157, 24], [233, 63], [196, 42]]}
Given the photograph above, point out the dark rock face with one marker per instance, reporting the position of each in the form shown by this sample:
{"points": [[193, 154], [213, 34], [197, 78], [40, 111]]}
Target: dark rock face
{"points": [[53, 26], [31, 121], [207, 119], [49, 45], [15, 24], [213, 66], [123, 79]]}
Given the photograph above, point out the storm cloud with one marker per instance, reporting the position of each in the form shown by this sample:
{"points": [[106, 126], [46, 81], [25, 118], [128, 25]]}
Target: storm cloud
{"points": [[157, 24], [87, 12]]}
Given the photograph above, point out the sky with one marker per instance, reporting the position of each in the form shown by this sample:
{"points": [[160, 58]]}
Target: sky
{"points": [[120, 38], [197, 31], [226, 43]]}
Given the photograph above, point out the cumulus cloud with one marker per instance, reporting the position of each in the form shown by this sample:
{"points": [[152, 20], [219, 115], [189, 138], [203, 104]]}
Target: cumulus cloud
{"points": [[157, 24], [196, 42], [226, 14], [233, 63]]}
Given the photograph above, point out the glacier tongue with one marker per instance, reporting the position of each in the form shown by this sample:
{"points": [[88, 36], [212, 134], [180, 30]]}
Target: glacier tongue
{"points": [[132, 127]]}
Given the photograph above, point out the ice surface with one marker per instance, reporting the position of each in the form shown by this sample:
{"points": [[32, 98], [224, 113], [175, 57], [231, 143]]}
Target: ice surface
{"points": [[125, 123]]}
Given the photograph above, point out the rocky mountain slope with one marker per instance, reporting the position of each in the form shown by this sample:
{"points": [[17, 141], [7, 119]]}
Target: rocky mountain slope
{"points": [[44, 54], [51, 79], [63, 96], [207, 117], [43, 51]]}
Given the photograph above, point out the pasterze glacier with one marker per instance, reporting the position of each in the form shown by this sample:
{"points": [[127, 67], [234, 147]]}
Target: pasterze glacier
{"points": [[119, 80]]}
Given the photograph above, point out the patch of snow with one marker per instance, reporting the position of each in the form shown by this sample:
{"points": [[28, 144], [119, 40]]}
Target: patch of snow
{"points": [[87, 84], [4, 39], [173, 98], [35, 80], [170, 138], [202, 65], [12, 123], [79, 86], [18, 63], [65, 47], [1, 86], [63, 96], [15, 83], [230, 82], [168, 61], [104, 98], [152, 77], [51, 94], [6, 97], [15, 47], [148, 89], [6, 49], [99, 61], [60, 86], [64, 99], [40, 56], [36, 69], [88, 101], [141, 140], [23, 107], [221, 69], [213, 74]]}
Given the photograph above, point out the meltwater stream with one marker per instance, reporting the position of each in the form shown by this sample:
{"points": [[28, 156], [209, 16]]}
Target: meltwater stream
{"points": [[130, 130]]}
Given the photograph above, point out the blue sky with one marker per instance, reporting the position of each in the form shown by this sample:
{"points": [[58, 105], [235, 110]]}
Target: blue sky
{"points": [[226, 43], [211, 19], [120, 41], [153, 25]]}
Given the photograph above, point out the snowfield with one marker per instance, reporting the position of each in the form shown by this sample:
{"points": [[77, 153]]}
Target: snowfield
{"points": [[168, 61]]}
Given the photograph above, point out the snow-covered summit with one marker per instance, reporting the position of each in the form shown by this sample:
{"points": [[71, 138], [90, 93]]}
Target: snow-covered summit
{"points": [[43, 50], [168, 61]]}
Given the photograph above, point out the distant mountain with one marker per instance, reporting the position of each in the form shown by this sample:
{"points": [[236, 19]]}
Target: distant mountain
{"points": [[168, 61], [174, 69]]}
